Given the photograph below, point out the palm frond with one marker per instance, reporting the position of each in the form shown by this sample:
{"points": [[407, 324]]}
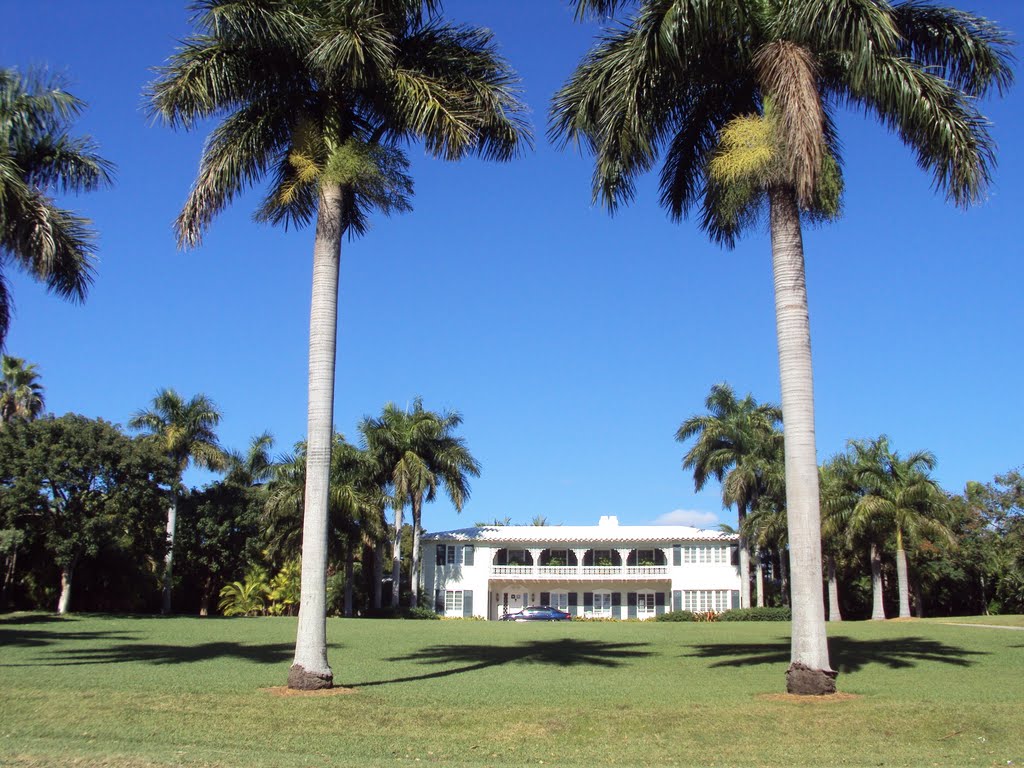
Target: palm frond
{"points": [[970, 52]]}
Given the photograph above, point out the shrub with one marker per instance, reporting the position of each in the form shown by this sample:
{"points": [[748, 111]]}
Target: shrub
{"points": [[757, 614], [676, 616], [705, 616]]}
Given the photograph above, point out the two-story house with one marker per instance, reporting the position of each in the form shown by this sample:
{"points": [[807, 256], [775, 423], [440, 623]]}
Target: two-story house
{"points": [[605, 570]]}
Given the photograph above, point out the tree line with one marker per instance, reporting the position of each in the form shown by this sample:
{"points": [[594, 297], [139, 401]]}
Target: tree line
{"points": [[736, 98], [894, 542], [92, 512]]}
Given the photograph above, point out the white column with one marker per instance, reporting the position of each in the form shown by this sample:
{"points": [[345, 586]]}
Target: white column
{"points": [[535, 554], [624, 556]]}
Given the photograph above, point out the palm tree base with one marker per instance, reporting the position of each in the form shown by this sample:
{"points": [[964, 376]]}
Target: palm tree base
{"points": [[300, 679], [804, 681]]}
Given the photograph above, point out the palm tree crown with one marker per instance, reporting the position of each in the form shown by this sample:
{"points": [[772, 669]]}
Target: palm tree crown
{"points": [[21, 394], [38, 157], [185, 430]]}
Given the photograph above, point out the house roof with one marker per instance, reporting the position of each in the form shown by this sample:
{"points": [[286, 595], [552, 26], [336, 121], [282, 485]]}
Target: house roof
{"points": [[548, 534]]}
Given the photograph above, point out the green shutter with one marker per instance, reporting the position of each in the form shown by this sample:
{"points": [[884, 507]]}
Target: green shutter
{"points": [[502, 557], [588, 601], [631, 601], [438, 601], [616, 605], [735, 598], [573, 597], [440, 554], [677, 599], [677, 554], [545, 598], [467, 554], [467, 603], [659, 603]]}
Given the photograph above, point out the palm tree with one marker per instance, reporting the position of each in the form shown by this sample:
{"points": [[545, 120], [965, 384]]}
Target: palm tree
{"points": [[37, 158], [417, 451], [734, 444], [185, 432], [21, 394], [739, 97], [901, 500], [318, 96], [254, 467]]}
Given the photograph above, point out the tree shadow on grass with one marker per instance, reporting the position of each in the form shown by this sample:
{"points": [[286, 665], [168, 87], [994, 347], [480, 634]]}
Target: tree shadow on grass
{"points": [[265, 653], [472, 658], [39, 638], [846, 654]]}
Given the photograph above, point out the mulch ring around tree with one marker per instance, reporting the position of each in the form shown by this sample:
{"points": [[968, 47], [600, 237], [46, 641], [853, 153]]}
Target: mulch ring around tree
{"points": [[826, 699], [284, 690]]}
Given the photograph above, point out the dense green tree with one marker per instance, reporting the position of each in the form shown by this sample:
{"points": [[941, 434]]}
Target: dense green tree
{"points": [[21, 394], [38, 158], [185, 430], [318, 96], [739, 96], [417, 451], [74, 484], [735, 442]]}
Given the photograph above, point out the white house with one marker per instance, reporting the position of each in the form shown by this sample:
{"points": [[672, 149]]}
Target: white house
{"points": [[612, 570]]}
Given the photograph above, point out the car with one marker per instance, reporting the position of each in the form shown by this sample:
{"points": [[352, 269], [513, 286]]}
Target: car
{"points": [[537, 613]]}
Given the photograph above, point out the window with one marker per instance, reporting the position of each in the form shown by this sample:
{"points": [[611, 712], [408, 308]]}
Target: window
{"points": [[453, 601], [645, 604], [560, 600], [703, 600], [602, 603], [706, 554], [602, 557], [558, 557], [646, 557], [451, 555], [517, 557]]}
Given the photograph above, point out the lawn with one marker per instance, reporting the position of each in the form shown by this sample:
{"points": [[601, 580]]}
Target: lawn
{"points": [[118, 692]]}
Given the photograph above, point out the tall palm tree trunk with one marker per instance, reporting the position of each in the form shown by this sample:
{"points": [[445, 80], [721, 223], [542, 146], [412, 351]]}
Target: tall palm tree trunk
{"points": [[741, 515], [310, 669], [834, 613], [417, 513], [64, 602], [172, 521], [902, 581], [878, 605], [396, 558], [809, 670], [760, 580]]}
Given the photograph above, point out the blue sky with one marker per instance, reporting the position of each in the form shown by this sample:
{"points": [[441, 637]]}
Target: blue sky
{"points": [[573, 343]]}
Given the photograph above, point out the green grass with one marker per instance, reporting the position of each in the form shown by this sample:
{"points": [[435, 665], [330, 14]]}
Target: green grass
{"points": [[120, 692]]}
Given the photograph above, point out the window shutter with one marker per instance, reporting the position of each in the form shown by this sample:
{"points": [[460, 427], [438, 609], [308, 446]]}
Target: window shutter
{"points": [[467, 603], [659, 603], [735, 598], [573, 599], [545, 598], [440, 554], [467, 554], [677, 554], [439, 601], [502, 557], [677, 599], [616, 605], [631, 600], [588, 601]]}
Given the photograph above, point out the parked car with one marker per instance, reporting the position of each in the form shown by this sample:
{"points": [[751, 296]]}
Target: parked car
{"points": [[538, 613]]}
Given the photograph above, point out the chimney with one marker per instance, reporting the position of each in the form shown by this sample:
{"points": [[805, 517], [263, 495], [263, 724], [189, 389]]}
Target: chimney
{"points": [[608, 521]]}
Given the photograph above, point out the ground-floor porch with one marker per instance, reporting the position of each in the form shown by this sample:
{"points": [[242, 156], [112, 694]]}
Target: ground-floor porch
{"points": [[633, 600]]}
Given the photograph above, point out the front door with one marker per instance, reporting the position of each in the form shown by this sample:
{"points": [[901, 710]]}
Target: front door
{"points": [[511, 602]]}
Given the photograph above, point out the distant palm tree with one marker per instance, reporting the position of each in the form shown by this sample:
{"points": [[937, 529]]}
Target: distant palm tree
{"points": [[901, 500], [319, 96], [417, 451], [38, 157], [21, 394], [736, 443], [184, 430], [256, 465], [739, 96]]}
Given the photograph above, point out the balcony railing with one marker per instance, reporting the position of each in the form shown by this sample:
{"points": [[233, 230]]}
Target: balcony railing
{"points": [[572, 571]]}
